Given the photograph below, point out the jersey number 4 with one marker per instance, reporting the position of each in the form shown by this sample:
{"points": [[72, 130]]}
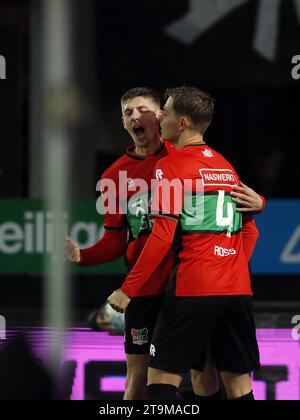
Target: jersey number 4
{"points": [[224, 221]]}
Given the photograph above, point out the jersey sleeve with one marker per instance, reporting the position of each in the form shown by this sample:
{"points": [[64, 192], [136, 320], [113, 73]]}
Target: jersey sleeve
{"points": [[109, 248], [155, 250], [250, 235], [166, 207], [114, 242]]}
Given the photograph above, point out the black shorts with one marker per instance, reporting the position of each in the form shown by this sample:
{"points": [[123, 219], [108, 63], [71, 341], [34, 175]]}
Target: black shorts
{"points": [[190, 328], [140, 318]]}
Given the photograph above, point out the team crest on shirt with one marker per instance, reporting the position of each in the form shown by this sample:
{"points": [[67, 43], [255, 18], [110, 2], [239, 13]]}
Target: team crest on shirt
{"points": [[159, 174], [131, 183], [140, 337], [208, 153]]}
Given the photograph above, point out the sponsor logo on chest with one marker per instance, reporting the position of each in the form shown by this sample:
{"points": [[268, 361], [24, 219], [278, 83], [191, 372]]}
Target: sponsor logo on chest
{"points": [[218, 177]]}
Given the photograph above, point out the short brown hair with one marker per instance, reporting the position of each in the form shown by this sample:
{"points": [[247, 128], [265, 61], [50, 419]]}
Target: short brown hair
{"points": [[193, 103], [142, 91]]}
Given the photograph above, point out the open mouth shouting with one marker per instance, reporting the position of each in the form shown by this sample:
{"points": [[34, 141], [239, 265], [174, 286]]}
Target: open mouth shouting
{"points": [[139, 131]]}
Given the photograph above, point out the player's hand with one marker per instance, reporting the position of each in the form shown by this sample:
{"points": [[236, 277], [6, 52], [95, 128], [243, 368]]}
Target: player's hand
{"points": [[119, 301], [246, 199], [107, 319], [72, 250], [102, 321]]}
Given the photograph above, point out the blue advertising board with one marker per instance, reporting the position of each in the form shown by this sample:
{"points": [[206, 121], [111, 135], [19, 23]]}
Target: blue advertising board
{"points": [[278, 248]]}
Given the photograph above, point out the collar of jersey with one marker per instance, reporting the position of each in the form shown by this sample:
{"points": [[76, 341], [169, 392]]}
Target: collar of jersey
{"points": [[130, 152], [195, 144]]}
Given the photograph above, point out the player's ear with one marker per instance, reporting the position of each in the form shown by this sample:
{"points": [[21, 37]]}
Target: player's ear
{"points": [[123, 122], [159, 116], [183, 124]]}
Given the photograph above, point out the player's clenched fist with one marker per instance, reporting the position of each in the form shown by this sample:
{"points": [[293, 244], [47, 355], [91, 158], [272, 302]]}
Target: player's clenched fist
{"points": [[119, 301], [72, 250]]}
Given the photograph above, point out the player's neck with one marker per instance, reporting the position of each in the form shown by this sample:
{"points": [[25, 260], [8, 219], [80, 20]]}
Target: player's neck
{"points": [[189, 138], [150, 149]]}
